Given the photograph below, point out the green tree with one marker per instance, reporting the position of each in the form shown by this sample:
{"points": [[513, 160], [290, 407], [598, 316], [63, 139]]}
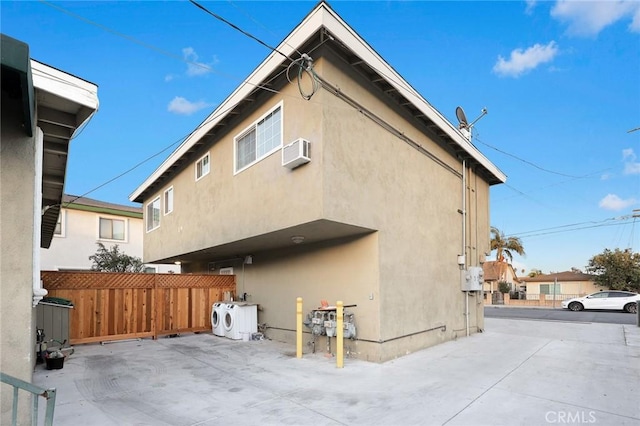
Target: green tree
{"points": [[504, 287], [505, 247], [114, 260], [535, 272], [617, 270]]}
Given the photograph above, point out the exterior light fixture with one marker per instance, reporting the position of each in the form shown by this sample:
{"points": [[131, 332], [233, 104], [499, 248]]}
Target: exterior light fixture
{"points": [[297, 239]]}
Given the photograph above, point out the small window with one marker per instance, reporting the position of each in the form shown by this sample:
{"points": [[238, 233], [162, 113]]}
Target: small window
{"points": [[153, 215], [259, 139], [168, 200], [59, 231], [549, 289], [150, 270], [202, 167], [112, 229]]}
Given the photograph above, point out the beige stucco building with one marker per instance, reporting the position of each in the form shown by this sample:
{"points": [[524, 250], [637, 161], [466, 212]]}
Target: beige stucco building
{"points": [[561, 285], [83, 222], [384, 210], [42, 108]]}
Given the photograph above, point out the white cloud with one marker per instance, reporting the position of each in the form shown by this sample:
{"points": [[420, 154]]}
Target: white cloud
{"points": [[631, 166], [522, 61], [180, 105], [531, 4], [588, 18], [195, 68], [169, 77], [613, 202]]}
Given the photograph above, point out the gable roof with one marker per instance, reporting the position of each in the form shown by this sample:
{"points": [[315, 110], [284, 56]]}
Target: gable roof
{"points": [[560, 276], [496, 271], [89, 204], [321, 24]]}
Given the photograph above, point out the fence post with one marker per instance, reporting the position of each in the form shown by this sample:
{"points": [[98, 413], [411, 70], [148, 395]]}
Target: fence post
{"points": [[154, 301], [299, 327], [339, 334]]}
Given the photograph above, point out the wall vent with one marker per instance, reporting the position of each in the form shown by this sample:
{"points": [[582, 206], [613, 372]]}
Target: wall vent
{"points": [[296, 153]]}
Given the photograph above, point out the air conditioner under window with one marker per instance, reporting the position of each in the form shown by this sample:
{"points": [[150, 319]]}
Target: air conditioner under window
{"points": [[296, 153]]}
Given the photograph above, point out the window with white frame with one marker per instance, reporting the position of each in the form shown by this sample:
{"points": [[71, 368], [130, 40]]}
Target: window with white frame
{"points": [[153, 214], [168, 200], [60, 224], [259, 140], [202, 166], [112, 229]]}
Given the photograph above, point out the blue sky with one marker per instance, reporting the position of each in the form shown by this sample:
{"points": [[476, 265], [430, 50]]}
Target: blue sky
{"points": [[560, 81]]}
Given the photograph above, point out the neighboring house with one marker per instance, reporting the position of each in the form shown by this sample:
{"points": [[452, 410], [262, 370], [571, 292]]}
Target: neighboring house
{"points": [[560, 284], [384, 208], [496, 272], [84, 222], [42, 109]]}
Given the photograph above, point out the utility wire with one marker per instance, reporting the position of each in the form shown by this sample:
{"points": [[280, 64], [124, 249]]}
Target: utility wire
{"points": [[245, 13], [148, 45], [235, 27], [533, 164], [553, 228], [602, 225]]}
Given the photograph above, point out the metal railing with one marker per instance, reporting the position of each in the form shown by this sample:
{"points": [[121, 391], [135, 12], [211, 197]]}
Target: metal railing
{"points": [[36, 391]]}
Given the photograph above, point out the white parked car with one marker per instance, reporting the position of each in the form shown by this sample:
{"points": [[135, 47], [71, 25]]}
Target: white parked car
{"points": [[612, 299]]}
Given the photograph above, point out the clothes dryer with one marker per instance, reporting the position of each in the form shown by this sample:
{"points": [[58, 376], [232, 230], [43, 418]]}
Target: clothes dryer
{"points": [[217, 318], [240, 318]]}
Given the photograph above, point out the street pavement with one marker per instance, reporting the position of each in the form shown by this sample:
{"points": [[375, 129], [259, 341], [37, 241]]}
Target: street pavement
{"points": [[517, 372]]}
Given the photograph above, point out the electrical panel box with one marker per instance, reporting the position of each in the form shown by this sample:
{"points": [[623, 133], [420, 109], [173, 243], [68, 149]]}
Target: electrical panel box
{"points": [[472, 279]]}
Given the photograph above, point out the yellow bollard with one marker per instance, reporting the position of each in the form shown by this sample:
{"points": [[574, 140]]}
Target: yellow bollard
{"points": [[339, 334], [299, 327]]}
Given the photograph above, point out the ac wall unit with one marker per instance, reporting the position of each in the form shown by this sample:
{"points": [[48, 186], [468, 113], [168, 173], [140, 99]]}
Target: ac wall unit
{"points": [[226, 271], [296, 153]]}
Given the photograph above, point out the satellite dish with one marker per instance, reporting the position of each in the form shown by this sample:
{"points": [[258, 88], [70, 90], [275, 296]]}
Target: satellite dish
{"points": [[462, 118]]}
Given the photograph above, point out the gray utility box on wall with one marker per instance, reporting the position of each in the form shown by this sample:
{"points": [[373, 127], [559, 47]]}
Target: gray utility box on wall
{"points": [[53, 318]]}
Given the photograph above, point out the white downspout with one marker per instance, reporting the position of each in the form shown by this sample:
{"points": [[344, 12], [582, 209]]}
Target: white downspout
{"points": [[464, 239], [38, 291]]}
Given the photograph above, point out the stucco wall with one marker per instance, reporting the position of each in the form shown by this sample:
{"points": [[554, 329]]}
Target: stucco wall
{"points": [[258, 200], [72, 250], [362, 175], [568, 287], [80, 236], [374, 179], [17, 316]]}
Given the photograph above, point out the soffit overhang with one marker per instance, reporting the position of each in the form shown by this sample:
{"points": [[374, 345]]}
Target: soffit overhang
{"points": [[324, 26], [64, 105]]}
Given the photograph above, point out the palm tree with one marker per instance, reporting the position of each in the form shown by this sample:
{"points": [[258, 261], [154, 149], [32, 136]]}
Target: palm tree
{"points": [[505, 246]]}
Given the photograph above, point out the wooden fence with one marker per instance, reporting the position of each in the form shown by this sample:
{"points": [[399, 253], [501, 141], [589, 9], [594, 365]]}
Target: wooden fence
{"points": [[116, 306]]}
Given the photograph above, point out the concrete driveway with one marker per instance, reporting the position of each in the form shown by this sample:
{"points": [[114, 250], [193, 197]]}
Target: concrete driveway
{"points": [[516, 372]]}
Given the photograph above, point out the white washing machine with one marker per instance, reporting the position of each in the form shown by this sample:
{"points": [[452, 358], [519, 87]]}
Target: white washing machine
{"points": [[240, 318], [217, 318]]}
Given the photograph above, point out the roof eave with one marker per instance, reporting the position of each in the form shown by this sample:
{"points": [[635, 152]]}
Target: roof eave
{"points": [[322, 17]]}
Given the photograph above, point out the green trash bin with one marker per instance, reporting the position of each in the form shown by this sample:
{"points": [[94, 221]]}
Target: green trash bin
{"points": [[52, 316]]}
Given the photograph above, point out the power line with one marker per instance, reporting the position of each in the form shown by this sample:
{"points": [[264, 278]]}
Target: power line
{"points": [[476, 138], [235, 27], [573, 227]]}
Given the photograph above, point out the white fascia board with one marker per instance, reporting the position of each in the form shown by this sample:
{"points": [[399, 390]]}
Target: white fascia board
{"points": [[338, 28], [299, 35], [64, 85], [321, 16]]}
